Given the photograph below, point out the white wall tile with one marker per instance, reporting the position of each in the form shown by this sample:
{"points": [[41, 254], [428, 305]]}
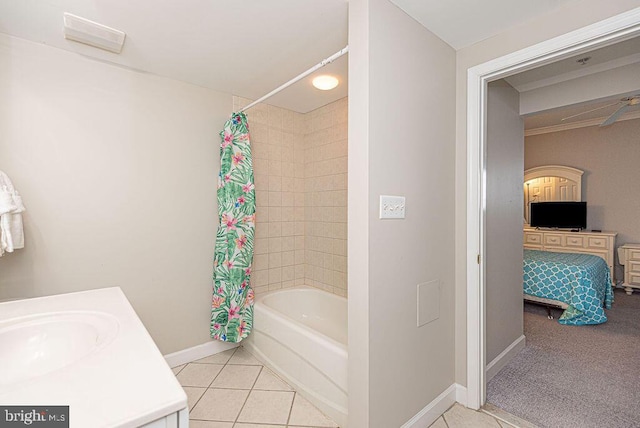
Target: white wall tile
{"points": [[300, 176]]}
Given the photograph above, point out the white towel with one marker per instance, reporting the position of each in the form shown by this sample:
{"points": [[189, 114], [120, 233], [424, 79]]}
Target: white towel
{"points": [[11, 207], [6, 201]]}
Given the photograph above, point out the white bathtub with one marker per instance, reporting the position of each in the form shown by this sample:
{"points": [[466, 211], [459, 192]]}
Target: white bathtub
{"points": [[301, 333]]}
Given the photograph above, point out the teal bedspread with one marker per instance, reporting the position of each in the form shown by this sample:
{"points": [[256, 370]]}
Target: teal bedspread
{"points": [[582, 281]]}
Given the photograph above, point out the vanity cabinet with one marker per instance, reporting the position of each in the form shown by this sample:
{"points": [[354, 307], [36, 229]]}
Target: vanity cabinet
{"points": [[629, 256], [601, 244]]}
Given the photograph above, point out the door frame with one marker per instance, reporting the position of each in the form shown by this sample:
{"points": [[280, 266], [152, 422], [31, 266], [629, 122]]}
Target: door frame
{"points": [[612, 30]]}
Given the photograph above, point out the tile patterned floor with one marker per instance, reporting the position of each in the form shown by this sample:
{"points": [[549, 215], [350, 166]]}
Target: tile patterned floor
{"points": [[459, 416], [233, 389]]}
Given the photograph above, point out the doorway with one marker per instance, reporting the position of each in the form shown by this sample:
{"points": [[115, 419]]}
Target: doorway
{"points": [[607, 32]]}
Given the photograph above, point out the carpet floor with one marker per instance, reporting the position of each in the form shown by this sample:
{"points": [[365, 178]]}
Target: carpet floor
{"points": [[583, 376]]}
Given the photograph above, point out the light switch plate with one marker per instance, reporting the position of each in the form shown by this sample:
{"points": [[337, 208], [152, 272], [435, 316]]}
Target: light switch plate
{"points": [[392, 207]]}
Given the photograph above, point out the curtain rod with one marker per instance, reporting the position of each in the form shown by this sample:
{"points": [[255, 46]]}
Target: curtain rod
{"points": [[299, 77]]}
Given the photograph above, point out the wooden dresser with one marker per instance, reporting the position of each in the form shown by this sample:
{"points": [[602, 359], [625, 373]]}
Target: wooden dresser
{"points": [[629, 256], [563, 241]]}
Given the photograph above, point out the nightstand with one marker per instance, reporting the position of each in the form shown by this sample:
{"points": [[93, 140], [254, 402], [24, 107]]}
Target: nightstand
{"points": [[629, 256]]}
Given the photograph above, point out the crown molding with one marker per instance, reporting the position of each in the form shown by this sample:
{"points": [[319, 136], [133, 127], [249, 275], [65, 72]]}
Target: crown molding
{"points": [[581, 72], [575, 125]]}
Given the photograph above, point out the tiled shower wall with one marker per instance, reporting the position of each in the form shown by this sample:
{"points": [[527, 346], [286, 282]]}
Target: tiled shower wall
{"points": [[300, 167], [325, 191], [277, 141]]}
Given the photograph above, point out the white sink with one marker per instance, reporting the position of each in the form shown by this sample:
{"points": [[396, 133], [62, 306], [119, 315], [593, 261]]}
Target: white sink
{"points": [[33, 346], [87, 350]]}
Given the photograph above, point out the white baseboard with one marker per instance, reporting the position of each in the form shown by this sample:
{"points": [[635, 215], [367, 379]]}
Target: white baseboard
{"points": [[433, 410], [505, 356], [461, 394], [199, 351]]}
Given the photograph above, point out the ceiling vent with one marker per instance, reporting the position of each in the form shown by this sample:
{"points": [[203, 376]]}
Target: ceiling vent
{"points": [[93, 34]]}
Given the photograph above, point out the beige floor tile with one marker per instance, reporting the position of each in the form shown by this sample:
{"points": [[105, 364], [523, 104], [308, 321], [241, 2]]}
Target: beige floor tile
{"points": [[269, 381], [219, 358], [439, 423], [267, 407], [243, 357], [221, 405], [511, 420], [193, 394], [305, 413], [239, 425], [177, 369], [198, 374], [209, 424], [237, 377], [460, 417]]}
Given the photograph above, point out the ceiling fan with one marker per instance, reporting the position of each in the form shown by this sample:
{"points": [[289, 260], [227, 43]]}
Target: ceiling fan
{"points": [[625, 104]]}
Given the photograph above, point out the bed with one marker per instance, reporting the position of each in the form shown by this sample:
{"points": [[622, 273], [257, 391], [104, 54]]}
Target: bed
{"points": [[578, 283]]}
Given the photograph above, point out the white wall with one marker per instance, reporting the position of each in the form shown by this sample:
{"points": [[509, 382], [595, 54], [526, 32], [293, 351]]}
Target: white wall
{"points": [[118, 172], [568, 17], [401, 142], [609, 157], [358, 214], [503, 257]]}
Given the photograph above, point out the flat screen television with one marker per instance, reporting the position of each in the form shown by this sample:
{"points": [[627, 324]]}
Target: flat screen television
{"points": [[570, 215]]}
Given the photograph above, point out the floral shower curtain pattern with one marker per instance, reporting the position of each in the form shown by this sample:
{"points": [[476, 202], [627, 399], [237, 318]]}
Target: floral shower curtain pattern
{"points": [[232, 303]]}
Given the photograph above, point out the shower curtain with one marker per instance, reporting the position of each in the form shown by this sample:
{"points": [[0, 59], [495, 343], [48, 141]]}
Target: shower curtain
{"points": [[232, 303]]}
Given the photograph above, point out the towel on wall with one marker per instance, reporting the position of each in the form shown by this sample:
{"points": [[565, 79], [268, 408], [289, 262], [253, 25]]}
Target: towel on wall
{"points": [[11, 208]]}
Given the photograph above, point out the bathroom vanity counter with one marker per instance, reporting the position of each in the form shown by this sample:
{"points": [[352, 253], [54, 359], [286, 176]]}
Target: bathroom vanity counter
{"points": [[89, 351]]}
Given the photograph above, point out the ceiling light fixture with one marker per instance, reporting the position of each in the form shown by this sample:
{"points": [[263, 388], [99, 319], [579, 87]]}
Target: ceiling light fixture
{"points": [[325, 82]]}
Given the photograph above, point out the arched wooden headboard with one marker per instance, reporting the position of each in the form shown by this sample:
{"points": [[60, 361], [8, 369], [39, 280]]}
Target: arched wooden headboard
{"points": [[551, 183]]}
